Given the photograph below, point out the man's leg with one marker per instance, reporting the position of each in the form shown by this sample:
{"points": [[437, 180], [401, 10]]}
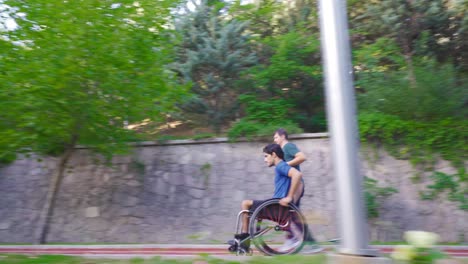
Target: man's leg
{"points": [[250, 205], [296, 200], [311, 245], [246, 205]]}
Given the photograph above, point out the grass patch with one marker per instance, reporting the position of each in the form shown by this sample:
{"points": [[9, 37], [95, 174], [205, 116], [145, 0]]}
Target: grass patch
{"points": [[392, 243], [296, 259], [205, 259], [38, 259], [202, 259]]}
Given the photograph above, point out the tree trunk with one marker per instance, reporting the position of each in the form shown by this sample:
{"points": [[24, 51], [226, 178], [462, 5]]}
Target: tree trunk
{"points": [[409, 63], [411, 76], [54, 187]]}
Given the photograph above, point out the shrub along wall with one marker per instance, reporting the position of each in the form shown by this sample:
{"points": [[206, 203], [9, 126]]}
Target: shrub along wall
{"points": [[190, 192]]}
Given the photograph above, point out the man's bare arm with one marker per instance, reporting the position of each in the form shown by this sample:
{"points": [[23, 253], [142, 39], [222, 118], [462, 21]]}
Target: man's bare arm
{"points": [[295, 180], [298, 159]]}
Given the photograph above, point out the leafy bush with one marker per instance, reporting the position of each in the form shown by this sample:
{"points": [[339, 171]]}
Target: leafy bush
{"points": [[7, 158], [422, 143], [256, 130], [373, 195], [437, 93], [418, 141], [420, 249], [290, 69], [263, 118], [408, 254], [456, 187]]}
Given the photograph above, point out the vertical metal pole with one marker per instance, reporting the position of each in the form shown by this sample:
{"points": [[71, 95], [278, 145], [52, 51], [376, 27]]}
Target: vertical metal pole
{"points": [[341, 112]]}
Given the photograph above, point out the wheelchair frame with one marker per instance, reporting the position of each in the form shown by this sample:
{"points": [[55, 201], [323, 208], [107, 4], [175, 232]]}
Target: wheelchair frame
{"points": [[256, 233]]}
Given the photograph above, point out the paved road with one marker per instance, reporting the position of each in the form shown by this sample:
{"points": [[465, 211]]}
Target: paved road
{"points": [[152, 250]]}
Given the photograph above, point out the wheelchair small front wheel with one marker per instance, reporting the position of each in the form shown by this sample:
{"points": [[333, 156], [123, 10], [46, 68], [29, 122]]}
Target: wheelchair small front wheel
{"points": [[277, 229]]}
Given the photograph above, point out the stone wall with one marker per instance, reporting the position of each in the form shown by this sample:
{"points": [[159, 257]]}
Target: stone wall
{"points": [[190, 192]]}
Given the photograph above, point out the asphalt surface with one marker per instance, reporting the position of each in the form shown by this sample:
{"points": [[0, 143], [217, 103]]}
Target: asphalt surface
{"points": [[166, 250]]}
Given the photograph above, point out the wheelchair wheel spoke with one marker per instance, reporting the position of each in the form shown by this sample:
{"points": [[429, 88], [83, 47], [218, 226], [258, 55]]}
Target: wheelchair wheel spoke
{"points": [[263, 231]]}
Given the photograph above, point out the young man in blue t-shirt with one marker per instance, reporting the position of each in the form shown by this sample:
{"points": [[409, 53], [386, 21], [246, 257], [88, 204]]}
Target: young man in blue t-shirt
{"points": [[287, 181]]}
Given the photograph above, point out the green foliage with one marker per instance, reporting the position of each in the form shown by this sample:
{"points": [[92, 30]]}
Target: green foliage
{"points": [[455, 186], [438, 93], [420, 142], [203, 136], [378, 57], [297, 259], [260, 16], [81, 70], [292, 71], [418, 27], [420, 248], [25, 259], [292, 57], [428, 256], [374, 195], [212, 54], [262, 118], [251, 130]]}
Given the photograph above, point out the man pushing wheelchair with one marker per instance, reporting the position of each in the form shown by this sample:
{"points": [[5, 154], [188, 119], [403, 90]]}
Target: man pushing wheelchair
{"points": [[276, 226]]}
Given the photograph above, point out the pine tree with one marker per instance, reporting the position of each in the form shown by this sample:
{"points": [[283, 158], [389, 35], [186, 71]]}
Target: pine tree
{"points": [[211, 56]]}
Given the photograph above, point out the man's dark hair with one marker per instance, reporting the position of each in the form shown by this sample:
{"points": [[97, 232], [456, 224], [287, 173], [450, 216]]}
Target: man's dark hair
{"points": [[282, 132], [269, 149]]}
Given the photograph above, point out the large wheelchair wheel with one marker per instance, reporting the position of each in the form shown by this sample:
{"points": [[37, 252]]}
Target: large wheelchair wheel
{"points": [[272, 224]]}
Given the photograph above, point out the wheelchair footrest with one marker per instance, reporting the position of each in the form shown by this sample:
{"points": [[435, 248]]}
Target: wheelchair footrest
{"points": [[233, 248]]}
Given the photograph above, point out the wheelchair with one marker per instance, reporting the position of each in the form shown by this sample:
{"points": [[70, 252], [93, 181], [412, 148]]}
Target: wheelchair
{"points": [[270, 224]]}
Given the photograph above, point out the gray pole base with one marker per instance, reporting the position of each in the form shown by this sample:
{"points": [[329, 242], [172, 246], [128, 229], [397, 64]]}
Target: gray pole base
{"points": [[333, 258]]}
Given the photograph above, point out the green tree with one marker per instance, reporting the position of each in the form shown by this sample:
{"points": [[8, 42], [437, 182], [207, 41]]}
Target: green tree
{"points": [[297, 14], [75, 72], [272, 17], [407, 58], [286, 39], [429, 28], [259, 15], [437, 96], [292, 71], [213, 53]]}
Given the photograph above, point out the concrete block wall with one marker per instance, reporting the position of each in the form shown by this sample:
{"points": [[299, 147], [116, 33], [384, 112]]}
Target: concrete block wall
{"points": [[190, 192]]}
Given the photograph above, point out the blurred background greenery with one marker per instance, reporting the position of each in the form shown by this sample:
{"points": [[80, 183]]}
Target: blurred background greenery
{"points": [[99, 72]]}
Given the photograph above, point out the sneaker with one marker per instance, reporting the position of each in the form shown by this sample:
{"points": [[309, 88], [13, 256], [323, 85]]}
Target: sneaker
{"points": [[246, 244], [289, 244], [239, 237], [234, 246], [311, 248]]}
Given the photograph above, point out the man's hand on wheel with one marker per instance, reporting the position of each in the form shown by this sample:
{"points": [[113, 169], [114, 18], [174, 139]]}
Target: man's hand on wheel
{"points": [[285, 201]]}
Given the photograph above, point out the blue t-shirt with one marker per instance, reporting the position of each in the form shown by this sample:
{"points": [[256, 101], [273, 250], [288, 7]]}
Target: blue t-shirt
{"points": [[282, 180]]}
